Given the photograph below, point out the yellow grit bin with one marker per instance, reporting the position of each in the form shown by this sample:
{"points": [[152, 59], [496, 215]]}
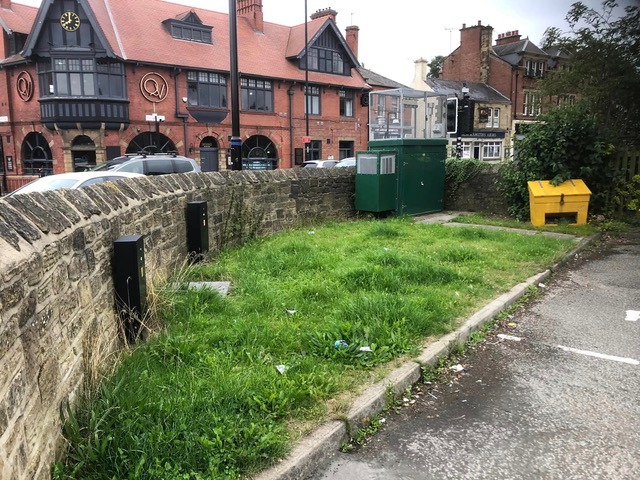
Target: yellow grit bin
{"points": [[549, 203]]}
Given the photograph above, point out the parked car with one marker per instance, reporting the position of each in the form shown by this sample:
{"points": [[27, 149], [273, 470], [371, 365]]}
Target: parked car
{"points": [[146, 164], [319, 163], [72, 180], [347, 162]]}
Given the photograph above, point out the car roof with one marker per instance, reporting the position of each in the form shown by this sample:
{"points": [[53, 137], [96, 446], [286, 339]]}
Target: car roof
{"points": [[68, 180]]}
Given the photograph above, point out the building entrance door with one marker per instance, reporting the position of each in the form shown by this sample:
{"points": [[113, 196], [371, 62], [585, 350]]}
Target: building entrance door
{"points": [[209, 159]]}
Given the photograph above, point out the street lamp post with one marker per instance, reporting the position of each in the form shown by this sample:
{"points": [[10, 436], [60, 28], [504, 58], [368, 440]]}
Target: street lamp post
{"points": [[235, 141], [306, 82]]}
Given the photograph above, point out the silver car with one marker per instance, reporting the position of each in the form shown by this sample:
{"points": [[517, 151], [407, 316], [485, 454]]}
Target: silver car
{"points": [[71, 180], [159, 164]]}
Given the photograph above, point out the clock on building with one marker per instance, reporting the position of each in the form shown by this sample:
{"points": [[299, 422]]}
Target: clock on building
{"points": [[70, 21]]}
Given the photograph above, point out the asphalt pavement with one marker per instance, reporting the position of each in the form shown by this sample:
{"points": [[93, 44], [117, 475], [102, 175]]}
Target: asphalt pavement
{"points": [[553, 393]]}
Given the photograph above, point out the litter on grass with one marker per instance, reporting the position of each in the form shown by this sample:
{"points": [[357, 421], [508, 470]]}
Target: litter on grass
{"points": [[457, 368], [365, 349], [312, 232], [291, 312], [340, 343], [281, 369]]}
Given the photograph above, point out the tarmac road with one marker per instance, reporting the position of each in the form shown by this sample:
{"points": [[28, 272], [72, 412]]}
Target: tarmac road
{"points": [[559, 400]]}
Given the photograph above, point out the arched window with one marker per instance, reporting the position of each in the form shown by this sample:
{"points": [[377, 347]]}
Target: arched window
{"points": [[151, 142], [259, 153], [36, 155]]}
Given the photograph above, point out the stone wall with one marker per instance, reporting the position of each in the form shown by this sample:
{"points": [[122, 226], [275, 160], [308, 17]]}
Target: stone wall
{"points": [[479, 194], [57, 318]]}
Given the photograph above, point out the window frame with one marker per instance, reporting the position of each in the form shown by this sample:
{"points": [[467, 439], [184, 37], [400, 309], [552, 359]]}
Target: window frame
{"points": [[211, 86], [346, 103], [492, 150], [531, 103], [81, 77], [262, 89], [314, 93]]}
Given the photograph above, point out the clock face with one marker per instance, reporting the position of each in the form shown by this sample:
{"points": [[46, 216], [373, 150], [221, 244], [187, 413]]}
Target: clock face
{"points": [[70, 21]]}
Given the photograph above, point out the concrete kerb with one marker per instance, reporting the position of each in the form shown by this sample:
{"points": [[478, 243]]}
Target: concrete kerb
{"points": [[326, 440]]}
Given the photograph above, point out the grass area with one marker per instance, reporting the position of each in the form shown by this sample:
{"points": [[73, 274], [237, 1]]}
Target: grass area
{"points": [[229, 383], [483, 219]]}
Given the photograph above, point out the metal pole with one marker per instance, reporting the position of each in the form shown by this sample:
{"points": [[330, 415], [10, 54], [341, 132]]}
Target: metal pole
{"points": [[236, 141], [306, 79]]}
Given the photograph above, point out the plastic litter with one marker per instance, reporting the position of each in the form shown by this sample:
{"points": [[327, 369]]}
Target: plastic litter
{"points": [[340, 343], [281, 369], [457, 368], [542, 285], [291, 312], [633, 315], [312, 232], [512, 324], [365, 349]]}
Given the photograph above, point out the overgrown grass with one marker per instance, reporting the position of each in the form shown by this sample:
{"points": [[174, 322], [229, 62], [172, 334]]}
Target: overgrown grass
{"points": [[483, 219], [205, 398]]}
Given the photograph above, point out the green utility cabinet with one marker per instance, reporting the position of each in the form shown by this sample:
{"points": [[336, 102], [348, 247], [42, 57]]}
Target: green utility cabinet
{"points": [[418, 177], [376, 181]]}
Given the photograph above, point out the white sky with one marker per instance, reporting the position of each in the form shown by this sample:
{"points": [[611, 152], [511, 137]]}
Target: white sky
{"points": [[392, 37]]}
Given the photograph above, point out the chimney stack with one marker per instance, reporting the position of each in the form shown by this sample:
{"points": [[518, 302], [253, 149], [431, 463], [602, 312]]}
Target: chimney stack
{"points": [[326, 12], [508, 37], [252, 11], [352, 39]]}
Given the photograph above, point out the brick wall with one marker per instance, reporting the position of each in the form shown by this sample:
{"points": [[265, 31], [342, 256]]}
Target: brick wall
{"points": [[57, 319]]}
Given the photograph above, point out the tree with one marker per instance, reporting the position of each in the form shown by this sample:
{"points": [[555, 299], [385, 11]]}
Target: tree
{"points": [[567, 143], [605, 66], [435, 66]]}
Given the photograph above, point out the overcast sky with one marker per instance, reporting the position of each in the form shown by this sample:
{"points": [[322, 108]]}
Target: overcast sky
{"points": [[393, 35]]}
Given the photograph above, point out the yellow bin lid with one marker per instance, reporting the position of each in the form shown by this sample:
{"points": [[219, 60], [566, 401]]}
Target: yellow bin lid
{"points": [[543, 188]]}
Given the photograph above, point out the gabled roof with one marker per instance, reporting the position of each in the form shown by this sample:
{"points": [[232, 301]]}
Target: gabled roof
{"points": [[477, 91], [135, 32], [39, 22], [513, 52], [377, 80], [18, 19], [318, 27]]}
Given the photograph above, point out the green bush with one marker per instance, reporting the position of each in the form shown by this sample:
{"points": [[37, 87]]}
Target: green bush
{"points": [[627, 196], [566, 143]]}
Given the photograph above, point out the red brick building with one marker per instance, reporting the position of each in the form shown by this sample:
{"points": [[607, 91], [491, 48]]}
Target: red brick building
{"points": [[84, 81], [512, 66]]}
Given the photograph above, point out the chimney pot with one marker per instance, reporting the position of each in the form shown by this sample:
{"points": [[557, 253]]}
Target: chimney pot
{"points": [[464, 25], [479, 23]]}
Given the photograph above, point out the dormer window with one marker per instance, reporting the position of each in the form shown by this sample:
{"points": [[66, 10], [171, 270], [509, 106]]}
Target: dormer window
{"points": [[191, 33], [189, 27]]}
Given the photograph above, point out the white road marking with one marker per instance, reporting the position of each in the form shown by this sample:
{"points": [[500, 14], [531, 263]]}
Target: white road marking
{"points": [[633, 315], [630, 361], [509, 337]]}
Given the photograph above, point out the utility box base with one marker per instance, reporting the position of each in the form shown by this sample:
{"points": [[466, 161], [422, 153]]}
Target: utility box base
{"points": [[549, 204]]}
